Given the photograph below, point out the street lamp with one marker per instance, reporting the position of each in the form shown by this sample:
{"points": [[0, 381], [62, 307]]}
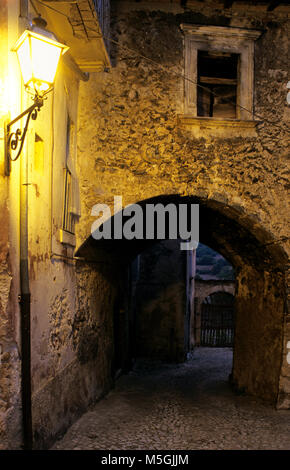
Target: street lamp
{"points": [[38, 54]]}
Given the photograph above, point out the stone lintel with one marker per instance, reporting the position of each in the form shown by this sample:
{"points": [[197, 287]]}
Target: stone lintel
{"points": [[220, 32]]}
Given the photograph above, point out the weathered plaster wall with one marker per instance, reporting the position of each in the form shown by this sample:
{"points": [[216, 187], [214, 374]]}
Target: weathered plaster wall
{"points": [[131, 145], [161, 303], [72, 304], [72, 357], [10, 399]]}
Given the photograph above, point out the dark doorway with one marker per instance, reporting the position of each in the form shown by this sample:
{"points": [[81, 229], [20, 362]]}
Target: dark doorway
{"points": [[217, 320]]}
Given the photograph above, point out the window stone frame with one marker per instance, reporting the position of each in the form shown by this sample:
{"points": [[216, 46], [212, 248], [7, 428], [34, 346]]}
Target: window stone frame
{"points": [[223, 39]]}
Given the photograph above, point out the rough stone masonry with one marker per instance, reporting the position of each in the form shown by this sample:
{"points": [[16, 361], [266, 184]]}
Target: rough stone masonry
{"points": [[131, 144]]}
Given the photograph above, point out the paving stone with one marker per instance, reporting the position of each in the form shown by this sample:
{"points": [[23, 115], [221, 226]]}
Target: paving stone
{"points": [[174, 407]]}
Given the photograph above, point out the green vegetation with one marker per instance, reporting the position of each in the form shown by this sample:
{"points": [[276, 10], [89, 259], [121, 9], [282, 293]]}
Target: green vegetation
{"points": [[212, 265]]}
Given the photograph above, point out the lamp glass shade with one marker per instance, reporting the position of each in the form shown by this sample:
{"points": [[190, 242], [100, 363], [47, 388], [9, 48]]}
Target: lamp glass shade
{"points": [[38, 57]]}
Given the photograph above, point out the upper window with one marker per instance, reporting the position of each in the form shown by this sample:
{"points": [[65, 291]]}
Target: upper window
{"points": [[218, 81], [219, 71]]}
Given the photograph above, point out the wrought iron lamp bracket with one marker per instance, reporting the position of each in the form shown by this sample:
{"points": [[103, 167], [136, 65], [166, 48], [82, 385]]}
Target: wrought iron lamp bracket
{"points": [[16, 139]]}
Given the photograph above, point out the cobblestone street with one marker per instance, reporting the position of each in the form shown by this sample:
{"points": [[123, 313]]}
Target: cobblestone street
{"points": [[186, 406]]}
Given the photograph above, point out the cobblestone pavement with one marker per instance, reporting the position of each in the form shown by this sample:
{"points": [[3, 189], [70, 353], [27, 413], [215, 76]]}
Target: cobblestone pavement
{"points": [[174, 407]]}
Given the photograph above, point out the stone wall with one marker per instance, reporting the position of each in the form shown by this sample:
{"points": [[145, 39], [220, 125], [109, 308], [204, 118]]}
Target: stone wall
{"points": [[130, 140], [132, 144], [284, 385], [259, 343]]}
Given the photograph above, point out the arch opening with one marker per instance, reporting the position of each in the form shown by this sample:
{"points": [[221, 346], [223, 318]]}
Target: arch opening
{"points": [[259, 263]]}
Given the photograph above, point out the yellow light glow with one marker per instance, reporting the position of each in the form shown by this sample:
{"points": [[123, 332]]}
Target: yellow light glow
{"points": [[38, 59]]}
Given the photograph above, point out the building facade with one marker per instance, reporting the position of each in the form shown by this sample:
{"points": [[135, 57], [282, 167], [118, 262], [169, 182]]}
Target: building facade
{"points": [[195, 109]]}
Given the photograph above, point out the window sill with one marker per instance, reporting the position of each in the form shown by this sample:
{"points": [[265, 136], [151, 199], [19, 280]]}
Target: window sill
{"points": [[67, 238], [208, 127]]}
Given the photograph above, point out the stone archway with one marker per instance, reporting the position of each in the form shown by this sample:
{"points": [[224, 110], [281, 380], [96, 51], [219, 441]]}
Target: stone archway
{"points": [[259, 262], [203, 288]]}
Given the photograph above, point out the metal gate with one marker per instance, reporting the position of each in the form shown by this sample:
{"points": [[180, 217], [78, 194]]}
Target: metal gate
{"points": [[217, 325]]}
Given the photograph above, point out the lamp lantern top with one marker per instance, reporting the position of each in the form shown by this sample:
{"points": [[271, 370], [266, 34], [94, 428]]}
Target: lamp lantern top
{"points": [[38, 53]]}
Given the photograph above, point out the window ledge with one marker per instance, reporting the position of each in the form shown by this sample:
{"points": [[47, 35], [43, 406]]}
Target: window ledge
{"points": [[208, 127], [67, 238]]}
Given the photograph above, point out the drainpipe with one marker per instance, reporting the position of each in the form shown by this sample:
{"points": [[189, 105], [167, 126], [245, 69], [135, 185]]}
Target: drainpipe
{"points": [[24, 297], [24, 301]]}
